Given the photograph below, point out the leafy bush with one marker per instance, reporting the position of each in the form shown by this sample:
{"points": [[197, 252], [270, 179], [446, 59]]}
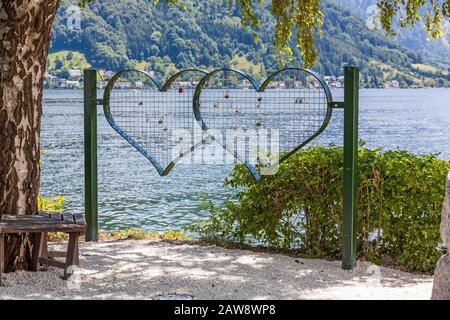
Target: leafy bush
{"points": [[51, 204], [400, 196]]}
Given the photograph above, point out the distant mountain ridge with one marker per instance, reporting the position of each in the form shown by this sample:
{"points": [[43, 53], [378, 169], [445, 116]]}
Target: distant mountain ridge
{"points": [[433, 51], [120, 34]]}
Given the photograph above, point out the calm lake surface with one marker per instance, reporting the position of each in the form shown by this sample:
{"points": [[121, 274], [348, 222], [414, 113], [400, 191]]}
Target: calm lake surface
{"points": [[132, 194]]}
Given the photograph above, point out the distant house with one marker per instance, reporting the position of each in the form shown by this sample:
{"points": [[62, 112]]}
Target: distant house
{"points": [[298, 84], [51, 81], [334, 82], [392, 84], [74, 74], [123, 85], [138, 84], [182, 84], [277, 84], [108, 74], [314, 84], [72, 84]]}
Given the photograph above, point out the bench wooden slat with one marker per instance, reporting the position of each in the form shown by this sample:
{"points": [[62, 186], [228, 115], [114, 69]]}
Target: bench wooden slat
{"points": [[56, 216], [76, 218], [42, 228], [68, 217], [79, 219], [51, 215], [37, 223], [57, 254], [53, 263]]}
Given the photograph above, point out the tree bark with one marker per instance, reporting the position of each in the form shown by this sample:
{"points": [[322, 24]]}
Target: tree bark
{"points": [[25, 34]]}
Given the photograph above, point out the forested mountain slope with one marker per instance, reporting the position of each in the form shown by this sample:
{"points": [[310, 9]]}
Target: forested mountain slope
{"points": [[434, 51], [119, 34]]}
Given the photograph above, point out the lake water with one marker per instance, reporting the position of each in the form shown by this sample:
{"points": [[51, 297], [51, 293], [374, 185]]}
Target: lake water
{"points": [[132, 194]]}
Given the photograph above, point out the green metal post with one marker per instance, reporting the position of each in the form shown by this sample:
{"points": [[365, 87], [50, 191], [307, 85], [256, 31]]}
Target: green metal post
{"points": [[351, 100], [90, 154]]}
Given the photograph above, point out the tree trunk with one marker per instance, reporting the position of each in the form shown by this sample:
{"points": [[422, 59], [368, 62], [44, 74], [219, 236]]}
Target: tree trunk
{"points": [[25, 34]]}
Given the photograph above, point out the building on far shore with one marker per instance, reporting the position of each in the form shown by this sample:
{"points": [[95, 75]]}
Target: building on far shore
{"points": [[392, 84], [53, 81], [74, 74], [72, 84], [334, 82]]}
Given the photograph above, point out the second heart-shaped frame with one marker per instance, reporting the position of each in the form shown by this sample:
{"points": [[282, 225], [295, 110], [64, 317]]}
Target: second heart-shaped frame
{"points": [[262, 125]]}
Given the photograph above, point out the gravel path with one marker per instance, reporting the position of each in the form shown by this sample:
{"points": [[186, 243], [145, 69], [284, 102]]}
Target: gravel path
{"points": [[149, 269]]}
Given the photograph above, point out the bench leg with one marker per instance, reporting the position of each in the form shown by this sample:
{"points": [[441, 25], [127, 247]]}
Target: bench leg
{"points": [[44, 246], [72, 255], [2, 255], [77, 255], [37, 247]]}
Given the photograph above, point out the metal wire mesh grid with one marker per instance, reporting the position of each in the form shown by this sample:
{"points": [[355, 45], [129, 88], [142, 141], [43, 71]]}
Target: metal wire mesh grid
{"points": [[251, 124], [161, 123]]}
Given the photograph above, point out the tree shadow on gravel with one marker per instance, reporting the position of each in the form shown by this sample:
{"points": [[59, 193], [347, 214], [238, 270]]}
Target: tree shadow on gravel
{"points": [[148, 269]]}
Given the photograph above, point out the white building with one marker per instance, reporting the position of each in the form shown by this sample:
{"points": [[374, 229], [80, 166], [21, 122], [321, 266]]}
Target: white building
{"points": [[74, 74], [392, 84]]}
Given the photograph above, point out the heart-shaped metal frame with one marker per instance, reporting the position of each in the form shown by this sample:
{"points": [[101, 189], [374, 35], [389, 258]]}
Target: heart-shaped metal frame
{"points": [[261, 88], [161, 88]]}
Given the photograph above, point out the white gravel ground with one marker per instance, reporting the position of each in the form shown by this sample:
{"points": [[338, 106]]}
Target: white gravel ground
{"points": [[149, 269]]}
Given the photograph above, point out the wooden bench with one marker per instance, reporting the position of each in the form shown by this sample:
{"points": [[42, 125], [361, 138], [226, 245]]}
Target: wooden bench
{"points": [[39, 226]]}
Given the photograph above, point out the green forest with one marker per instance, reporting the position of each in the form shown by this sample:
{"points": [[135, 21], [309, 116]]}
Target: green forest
{"points": [[137, 33]]}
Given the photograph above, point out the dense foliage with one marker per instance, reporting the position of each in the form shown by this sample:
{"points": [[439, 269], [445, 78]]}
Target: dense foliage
{"points": [[51, 204], [400, 201], [118, 34]]}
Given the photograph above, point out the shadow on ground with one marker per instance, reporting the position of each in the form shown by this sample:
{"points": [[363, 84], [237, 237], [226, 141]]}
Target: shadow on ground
{"points": [[148, 269]]}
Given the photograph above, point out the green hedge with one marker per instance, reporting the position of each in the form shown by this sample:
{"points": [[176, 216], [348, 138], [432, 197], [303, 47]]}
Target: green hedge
{"points": [[400, 200]]}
